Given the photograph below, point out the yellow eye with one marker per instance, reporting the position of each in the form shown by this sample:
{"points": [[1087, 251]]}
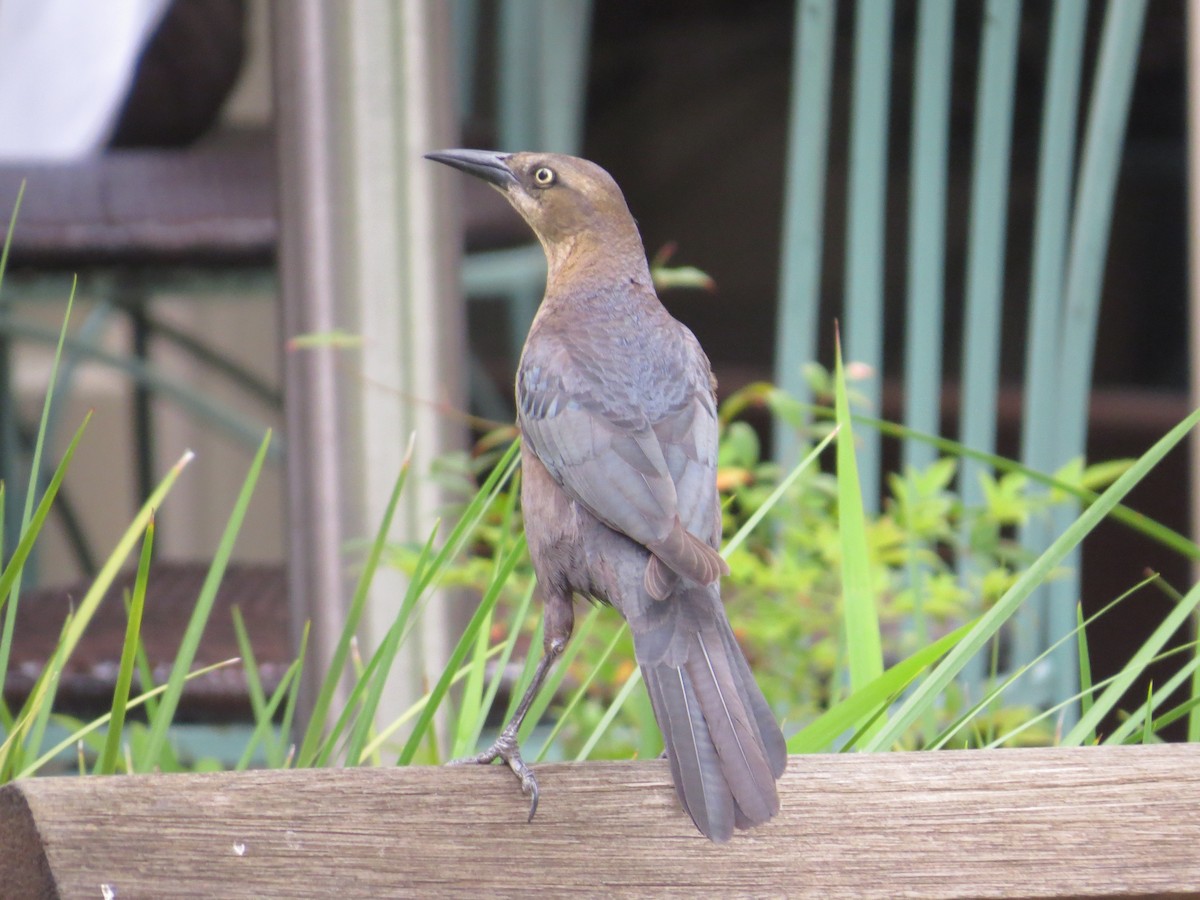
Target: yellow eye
{"points": [[544, 177]]}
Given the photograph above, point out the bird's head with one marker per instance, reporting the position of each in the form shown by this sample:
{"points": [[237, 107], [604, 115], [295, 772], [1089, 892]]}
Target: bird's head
{"points": [[570, 203]]}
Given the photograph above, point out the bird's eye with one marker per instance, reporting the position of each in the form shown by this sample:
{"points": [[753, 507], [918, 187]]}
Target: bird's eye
{"points": [[544, 177]]}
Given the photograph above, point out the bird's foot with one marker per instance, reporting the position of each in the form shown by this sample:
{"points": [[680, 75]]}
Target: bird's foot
{"points": [[507, 749]]}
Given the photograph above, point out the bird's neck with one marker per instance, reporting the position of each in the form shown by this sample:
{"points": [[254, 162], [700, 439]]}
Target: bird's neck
{"points": [[596, 260]]}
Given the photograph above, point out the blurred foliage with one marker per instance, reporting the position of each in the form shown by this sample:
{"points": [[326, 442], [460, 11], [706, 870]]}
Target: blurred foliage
{"points": [[784, 592]]}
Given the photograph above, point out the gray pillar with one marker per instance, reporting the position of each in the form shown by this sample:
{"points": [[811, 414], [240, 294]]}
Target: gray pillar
{"points": [[363, 88]]}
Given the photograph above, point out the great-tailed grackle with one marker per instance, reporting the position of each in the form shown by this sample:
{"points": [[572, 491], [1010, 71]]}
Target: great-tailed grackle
{"points": [[617, 408]]}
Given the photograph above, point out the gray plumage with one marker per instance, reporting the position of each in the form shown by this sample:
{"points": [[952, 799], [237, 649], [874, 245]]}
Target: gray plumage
{"points": [[617, 411]]}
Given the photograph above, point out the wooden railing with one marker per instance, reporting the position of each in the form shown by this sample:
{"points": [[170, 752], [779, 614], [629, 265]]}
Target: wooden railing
{"points": [[1047, 822]]}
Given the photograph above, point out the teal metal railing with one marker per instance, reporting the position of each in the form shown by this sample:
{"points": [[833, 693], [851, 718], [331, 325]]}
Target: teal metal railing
{"points": [[1069, 235]]}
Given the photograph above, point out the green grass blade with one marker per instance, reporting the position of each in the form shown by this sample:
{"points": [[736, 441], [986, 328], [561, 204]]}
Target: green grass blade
{"points": [[289, 710], [472, 712], [386, 734], [991, 621], [634, 679], [460, 651], [199, 618], [13, 591], [1183, 709], [468, 739], [1145, 714], [819, 735], [372, 680], [1130, 518], [424, 577], [6, 719], [107, 764], [521, 685], [868, 724], [554, 679], [1133, 669], [1151, 705], [381, 661], [12, 227], [275, 742], [124, 547], [263, 723], [96, 724], [472, 515], [1193, 723], [39, 445], [37, 716], [10, 577], [864, 643], [146, 679], [1085, 667], [337, 663], [470, 708], [254, 688], [993, 694], [581, 690]]}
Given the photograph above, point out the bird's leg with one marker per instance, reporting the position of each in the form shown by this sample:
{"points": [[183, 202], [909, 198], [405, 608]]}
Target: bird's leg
{"points": [[559, 616]]}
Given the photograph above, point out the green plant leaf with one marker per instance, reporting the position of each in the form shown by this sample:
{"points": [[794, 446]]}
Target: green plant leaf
{"points": [[459, 653], [199, 618], [107, 763], [991, 621], [337, 662], [85, 730], [1133, 669], [1085, 667], [819, 735], [863, 641]]}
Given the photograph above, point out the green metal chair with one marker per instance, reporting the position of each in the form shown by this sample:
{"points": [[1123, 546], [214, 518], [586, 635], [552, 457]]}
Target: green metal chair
{"points": [[1069, 243]]}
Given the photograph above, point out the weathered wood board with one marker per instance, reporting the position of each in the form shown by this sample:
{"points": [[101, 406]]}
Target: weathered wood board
{"points": [[1091, 822]]}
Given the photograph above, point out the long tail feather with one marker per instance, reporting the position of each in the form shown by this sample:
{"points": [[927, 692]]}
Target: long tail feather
{"points": [[725, 748]]}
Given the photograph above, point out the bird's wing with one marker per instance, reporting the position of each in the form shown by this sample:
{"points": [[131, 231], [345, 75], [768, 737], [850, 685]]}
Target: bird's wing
{"points": [[646, 470], [688, 438], [612, 464]]}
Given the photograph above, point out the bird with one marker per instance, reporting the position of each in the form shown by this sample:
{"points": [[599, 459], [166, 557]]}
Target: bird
{"points": [[617, 411]]}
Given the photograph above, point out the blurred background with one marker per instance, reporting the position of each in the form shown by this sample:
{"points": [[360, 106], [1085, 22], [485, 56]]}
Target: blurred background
{"points": [[688, 103]]}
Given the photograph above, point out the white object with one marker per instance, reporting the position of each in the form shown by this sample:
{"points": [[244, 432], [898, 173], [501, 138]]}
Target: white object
{"points": [[65, 69]]}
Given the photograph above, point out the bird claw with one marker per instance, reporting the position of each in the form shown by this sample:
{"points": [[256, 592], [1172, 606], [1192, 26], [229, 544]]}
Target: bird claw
{"points": [[507, 749]]}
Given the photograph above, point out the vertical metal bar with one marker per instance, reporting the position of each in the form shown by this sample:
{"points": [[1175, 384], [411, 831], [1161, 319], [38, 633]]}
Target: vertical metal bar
{"points": [[1051, 228], [1193, 118], [566, 25], [927, 226], [363, 91], [307, 126], [1099, 167], [865, 221], [543, 85], [986, 234], [520, 31], [804, 205], [404, 266], [995, 94], [134, 301]]}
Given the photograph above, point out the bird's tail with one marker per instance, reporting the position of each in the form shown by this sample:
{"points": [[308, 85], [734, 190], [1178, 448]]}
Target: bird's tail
{"points": [[724, 745]]}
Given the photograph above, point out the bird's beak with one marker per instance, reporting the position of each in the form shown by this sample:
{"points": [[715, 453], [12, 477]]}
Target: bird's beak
{"points": [[485, 164]]}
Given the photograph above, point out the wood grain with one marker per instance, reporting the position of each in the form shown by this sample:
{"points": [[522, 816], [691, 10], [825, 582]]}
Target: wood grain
{"points": [[1090, 822]]}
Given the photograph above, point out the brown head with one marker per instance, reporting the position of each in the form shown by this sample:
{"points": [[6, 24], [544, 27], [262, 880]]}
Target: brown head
{"points": [[573, 206]]}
